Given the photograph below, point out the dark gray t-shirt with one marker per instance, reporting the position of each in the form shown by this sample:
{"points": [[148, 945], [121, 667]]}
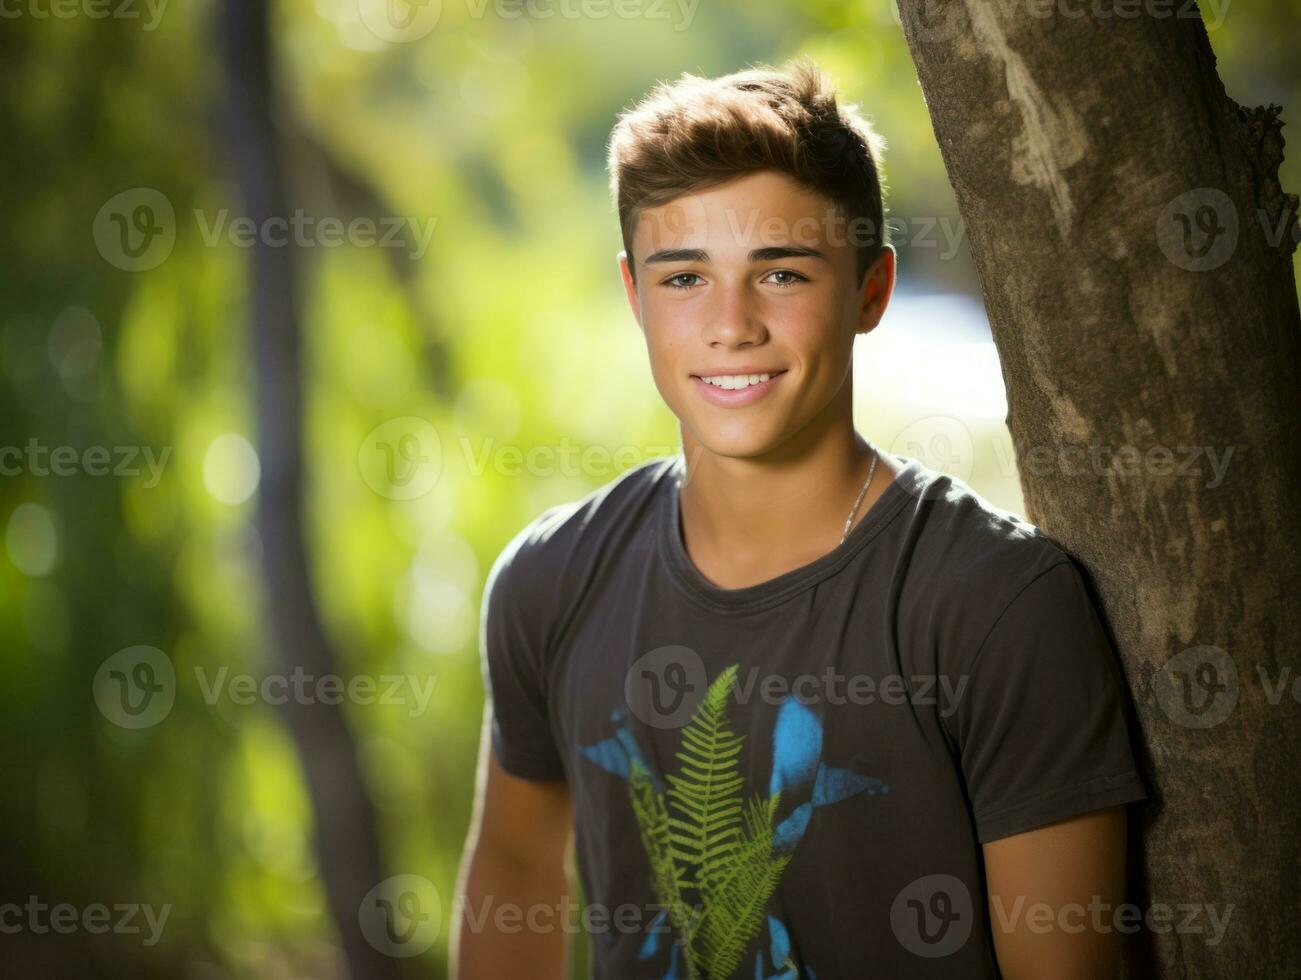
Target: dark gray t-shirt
{"points": [[794, 779]]}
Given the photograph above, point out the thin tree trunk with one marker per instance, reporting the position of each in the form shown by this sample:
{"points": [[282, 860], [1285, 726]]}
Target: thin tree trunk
{"points": [[1134, 250], [347, 848]]}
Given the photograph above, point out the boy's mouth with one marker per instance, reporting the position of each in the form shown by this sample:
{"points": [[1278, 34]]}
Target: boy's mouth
{"points": [[733, 388]]}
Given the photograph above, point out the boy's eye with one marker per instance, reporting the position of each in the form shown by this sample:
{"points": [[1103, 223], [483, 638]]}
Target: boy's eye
{"points": [[796, 277], [673, 283]]}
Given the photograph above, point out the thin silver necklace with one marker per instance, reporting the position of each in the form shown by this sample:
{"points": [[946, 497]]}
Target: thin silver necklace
{"points": [[854, 510]]}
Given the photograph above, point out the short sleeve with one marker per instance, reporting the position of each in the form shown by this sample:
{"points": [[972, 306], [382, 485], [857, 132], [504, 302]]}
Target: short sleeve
{"points": [[1041, 730], [512, 645]]}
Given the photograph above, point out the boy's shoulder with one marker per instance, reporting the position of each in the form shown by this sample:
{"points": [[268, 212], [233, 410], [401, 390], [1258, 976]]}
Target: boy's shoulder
{"points": [[971, 561], [567, 538], [964, 535]]}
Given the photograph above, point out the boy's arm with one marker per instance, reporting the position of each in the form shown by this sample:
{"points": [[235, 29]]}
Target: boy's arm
{"points": [[1053, 896], [1045, 751], [512, 897]]}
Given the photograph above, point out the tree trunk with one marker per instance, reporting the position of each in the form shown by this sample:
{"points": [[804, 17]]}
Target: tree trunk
{"points": [[347, 848], [1134, 249]]}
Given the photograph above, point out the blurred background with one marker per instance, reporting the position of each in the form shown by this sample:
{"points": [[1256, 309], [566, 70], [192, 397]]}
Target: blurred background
{"points": [[444, 260]]}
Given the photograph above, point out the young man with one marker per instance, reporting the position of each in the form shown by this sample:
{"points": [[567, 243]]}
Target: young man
{"points": [[811, 709]]}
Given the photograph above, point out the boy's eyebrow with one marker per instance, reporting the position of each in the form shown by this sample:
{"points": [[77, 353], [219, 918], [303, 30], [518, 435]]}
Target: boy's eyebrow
{"points": [[766, 254]]}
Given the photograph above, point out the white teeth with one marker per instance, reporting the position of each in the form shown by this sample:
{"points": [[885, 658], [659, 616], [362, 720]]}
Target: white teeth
{"points": [[734, 381]]}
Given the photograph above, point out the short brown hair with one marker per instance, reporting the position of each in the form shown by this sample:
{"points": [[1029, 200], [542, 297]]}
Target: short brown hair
{"points": [[695, 133]]}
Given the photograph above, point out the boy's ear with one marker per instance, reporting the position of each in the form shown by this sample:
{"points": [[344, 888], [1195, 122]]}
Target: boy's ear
{"points": [[629, 286], [876, 290]]}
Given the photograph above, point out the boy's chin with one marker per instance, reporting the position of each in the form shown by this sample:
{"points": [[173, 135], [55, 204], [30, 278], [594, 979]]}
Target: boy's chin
{"points": [[737, 443]]}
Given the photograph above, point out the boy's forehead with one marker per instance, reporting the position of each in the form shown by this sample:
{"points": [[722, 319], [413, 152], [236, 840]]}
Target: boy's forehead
{"points": [[762, 209]]}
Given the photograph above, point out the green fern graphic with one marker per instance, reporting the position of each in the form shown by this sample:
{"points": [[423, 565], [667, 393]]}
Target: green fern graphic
{"points": [[652, 817], [701, 837], [704, 798], [734, 911]]}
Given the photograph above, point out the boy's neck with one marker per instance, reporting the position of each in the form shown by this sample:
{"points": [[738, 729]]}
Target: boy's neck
{"points": [[748, 520]]}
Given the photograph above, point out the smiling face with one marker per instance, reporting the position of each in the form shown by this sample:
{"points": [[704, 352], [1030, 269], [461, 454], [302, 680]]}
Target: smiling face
{"points": [[749, 300]]}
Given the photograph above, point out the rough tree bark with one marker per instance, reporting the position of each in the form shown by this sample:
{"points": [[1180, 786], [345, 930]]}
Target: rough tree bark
{"points": [[346, 842], [1134, 249]]}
